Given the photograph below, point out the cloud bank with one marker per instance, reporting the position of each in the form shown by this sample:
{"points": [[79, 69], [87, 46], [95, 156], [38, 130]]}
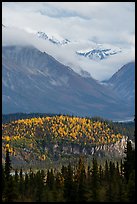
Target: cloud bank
{"points": [[101, 22]]}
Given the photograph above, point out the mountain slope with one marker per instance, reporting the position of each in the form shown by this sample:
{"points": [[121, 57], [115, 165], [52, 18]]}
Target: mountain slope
{"points": [[33, 81], [123, 82]]}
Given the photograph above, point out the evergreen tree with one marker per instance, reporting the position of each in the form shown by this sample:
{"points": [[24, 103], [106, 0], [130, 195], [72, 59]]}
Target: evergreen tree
{"points": [[69, 191], [16, 178], [101, 175], [21, 184], [39, 186], [82, 189], [31, 183], [129, 162], [131, 187], [129, 171], [9, 194], [106, 173], [16, 183], [50, 179], [121, 168], [7, 166], [26, 185], [95, 180], [64, 171], [59, 181], [3, 183]]}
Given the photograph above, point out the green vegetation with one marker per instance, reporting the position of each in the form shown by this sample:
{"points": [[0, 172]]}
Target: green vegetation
{"points": [[111, 182], [54, 138]]}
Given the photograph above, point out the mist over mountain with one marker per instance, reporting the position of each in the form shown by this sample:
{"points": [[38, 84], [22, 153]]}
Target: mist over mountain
{"points": [[33, 81], [50, 65]]}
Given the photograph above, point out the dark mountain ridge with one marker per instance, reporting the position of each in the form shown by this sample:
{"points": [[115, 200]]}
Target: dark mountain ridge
{"points": [[33, 81]]}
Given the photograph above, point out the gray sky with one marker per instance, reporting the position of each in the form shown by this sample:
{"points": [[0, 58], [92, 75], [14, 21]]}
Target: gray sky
{"points": [[102, 22]]}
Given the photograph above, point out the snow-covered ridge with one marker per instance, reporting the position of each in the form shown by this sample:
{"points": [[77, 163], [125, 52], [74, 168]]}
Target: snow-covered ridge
{"points": [[99, 52], [56, 39], [64, 49]]}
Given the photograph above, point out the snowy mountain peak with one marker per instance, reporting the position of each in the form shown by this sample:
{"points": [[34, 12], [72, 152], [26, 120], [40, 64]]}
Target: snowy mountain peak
{"points": [[99, 52], [56, 39], [42, 35]]}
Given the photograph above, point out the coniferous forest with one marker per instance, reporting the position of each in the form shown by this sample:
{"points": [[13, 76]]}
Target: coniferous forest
{"points": [[111, 182]]}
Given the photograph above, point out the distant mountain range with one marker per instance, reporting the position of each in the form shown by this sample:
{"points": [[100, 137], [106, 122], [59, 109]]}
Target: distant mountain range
{"points": [[33, 81], [95, 52], [85, 56]]}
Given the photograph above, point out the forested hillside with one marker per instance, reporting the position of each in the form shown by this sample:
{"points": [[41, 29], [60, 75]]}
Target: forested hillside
{"points": [[111, 182], [44, 140]]}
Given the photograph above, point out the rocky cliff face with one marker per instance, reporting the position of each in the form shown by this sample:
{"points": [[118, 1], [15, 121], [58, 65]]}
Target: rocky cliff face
{"points": [[114, 149], [27, 157]]}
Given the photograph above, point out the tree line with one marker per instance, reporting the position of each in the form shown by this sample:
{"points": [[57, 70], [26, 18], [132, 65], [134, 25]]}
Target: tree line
{"points": [[111, 182]]}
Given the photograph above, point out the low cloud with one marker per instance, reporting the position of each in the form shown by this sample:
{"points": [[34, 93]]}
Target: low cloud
{"points": [[15, 36], [105, 20], [102, 22]]}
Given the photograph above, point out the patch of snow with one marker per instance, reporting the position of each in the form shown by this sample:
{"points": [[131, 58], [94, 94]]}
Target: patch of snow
{"points": [[99, 51], [56, 39]]}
